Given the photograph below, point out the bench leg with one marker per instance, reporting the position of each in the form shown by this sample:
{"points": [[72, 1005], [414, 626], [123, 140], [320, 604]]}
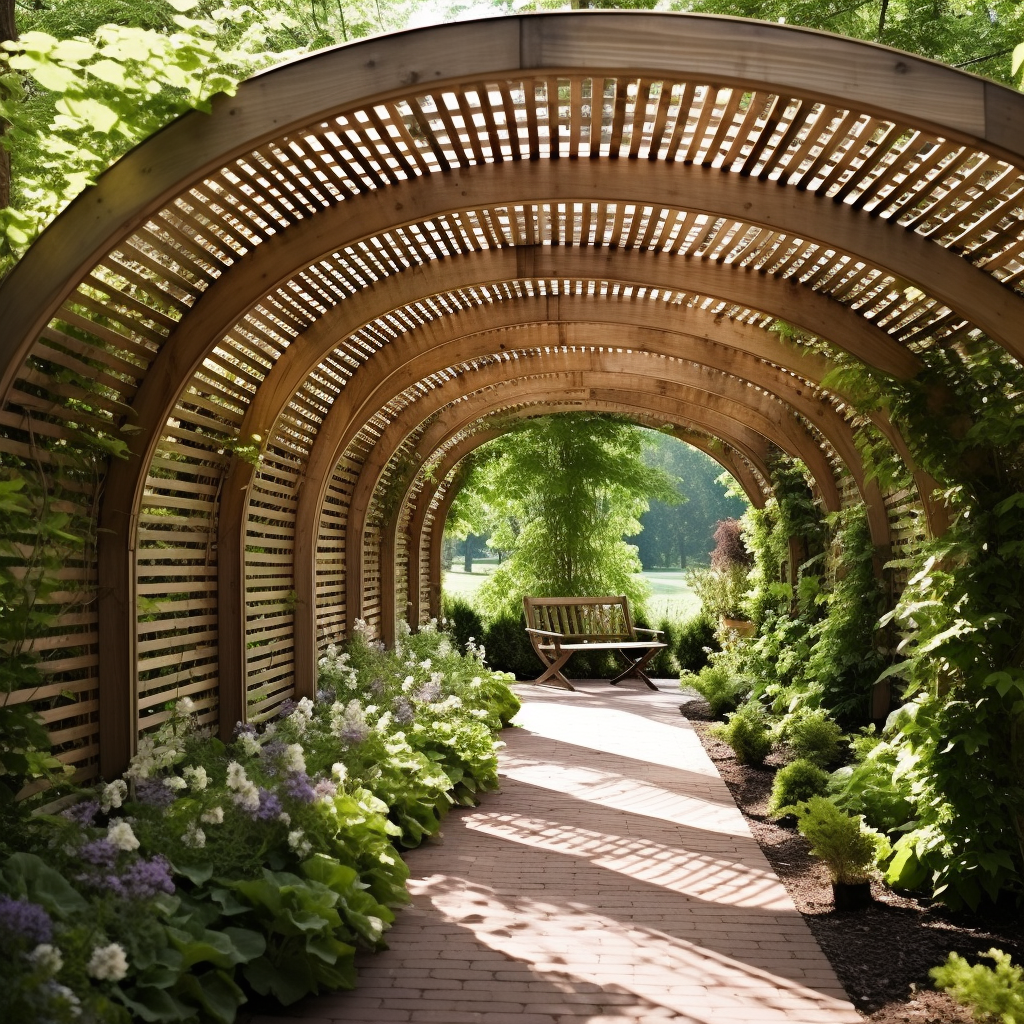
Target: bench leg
{"points": [[636, 668], [551, 676]]}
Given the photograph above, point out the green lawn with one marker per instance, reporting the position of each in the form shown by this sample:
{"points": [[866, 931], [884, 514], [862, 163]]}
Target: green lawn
{"points": [[671, 595]]}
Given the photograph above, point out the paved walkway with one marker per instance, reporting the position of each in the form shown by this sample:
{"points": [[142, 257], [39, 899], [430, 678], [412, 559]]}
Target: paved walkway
{"points": [[612, 881]]}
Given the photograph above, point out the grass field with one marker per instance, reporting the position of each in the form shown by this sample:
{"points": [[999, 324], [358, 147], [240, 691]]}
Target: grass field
{"points": [[671, 595]]}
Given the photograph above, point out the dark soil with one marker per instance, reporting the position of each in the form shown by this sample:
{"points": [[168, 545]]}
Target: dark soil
{"points": [[882, 953]]}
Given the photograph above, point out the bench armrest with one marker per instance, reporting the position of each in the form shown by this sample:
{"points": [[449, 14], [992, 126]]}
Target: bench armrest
{"points": [[653, 632], [545, 632]]}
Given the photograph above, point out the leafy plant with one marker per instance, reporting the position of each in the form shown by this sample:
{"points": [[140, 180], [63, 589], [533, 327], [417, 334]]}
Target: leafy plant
{"points": [[871, 785], [509, 649], [746, 731], [462, 621], [796, 783], [813, 736], [719, 685], [995, 993], [848, 848]]}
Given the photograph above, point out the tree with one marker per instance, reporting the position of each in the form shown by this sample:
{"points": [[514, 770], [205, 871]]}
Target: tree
{"points": [[559, 494], [681, 532]]}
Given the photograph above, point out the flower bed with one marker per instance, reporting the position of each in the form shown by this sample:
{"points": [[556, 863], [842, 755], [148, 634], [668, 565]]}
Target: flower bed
{"points": [[211, 870]]}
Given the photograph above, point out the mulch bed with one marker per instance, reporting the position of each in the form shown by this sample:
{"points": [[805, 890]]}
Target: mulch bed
{"points": [[882, 953]]}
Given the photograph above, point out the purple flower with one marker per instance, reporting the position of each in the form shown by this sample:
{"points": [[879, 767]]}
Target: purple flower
{"points": [[243, 729], [145, 878], [270, 806], [22, 920], [287, 708], [271, 752], [377, 687], [98, 852], [326, 696], [403, 711], [354, 734], [83, 813], [299, 787], [154, 793], [428, 693]]}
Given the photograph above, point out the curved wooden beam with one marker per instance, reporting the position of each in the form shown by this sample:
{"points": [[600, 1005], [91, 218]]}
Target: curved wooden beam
{"points": [[743, 402], [853, 74], [702, 410]]}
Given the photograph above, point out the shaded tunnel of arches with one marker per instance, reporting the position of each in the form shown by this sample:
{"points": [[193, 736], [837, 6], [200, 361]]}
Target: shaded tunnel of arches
{"points": [[304, 311]]}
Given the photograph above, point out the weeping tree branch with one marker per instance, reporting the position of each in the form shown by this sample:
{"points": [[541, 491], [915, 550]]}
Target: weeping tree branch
{"points": [[8, 30]]}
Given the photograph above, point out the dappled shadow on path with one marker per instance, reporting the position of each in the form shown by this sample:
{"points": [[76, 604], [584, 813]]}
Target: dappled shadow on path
{"points": [[609, 882]]}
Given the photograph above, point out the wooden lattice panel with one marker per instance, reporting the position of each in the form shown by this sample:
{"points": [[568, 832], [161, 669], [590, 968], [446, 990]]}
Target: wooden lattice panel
{"points": [[371, 279]]}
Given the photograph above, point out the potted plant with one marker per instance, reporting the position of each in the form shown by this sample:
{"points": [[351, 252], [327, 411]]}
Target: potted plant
{"points": [[848, 848]]}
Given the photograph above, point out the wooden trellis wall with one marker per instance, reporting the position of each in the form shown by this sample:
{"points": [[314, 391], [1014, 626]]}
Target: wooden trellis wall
{"points": [[282, 309]]}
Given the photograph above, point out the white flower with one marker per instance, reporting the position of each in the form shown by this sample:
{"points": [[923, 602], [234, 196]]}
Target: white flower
{"points": [[47, 958], [339, 771], [249, 744], [236, 775], [74, 1004], [174, 782], [247, 796], [476, 681], [194, 836], [185, 706], [285, 818], [385, 722], [269, 729], [214, 816], [425, 663], [444, 648], [120, 834], [359, 626], [299, 843], [403, 628], [293, 759], [376, 924], [113, 795], [108, 963], [408, 683]]}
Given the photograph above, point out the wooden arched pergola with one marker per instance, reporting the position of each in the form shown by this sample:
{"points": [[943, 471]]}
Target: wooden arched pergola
{"points": [[382, 251]]}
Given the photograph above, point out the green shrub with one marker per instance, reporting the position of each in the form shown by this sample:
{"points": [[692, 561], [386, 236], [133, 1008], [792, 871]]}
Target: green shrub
{"points": [[794, 784], [814, 736], [509, 649], [995, 993], [722, 688], [747, 733], [462, 622], [695, 640], [870, 786], [845, 844]]}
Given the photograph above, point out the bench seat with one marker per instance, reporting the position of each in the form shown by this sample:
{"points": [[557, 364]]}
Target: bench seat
{"points": [[558, 627]]}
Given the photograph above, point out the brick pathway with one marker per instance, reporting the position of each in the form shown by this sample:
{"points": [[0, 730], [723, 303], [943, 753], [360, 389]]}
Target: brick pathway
{"points": [[612, 881]]}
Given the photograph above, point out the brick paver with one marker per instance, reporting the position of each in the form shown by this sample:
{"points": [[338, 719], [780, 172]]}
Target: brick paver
{"points": [[611, 881]]}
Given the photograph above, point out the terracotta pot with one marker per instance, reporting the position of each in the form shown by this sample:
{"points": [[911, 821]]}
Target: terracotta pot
{"points": [[851, 895], [741, 627]]}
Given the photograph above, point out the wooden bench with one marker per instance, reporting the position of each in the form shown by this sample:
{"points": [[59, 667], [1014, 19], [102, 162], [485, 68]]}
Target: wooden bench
{"points": [[558, 627]]}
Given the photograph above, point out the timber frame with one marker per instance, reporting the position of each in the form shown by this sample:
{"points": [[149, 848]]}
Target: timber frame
{"points": [[304, 311]]}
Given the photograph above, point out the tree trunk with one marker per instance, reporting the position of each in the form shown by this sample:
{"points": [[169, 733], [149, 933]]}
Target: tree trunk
{"points": [[8, 30], [467, 561]]}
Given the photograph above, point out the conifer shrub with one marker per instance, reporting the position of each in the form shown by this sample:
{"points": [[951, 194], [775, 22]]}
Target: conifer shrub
{"points": [[795, 783], [815, 737], [994, 993], [462, 621], [722, 688], [695, 641], [509, 649], [746, 731], [848, 847]]}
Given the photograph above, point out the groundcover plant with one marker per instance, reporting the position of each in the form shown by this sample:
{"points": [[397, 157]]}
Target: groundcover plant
{"points": [[211, 870]]}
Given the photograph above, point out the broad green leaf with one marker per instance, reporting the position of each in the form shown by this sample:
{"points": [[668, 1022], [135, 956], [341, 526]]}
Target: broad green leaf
{"points": [[108, 71], [52, 77]]}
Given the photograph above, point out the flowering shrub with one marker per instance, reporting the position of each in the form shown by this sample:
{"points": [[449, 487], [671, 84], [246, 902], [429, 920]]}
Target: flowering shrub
{"points": [[262, 865]]}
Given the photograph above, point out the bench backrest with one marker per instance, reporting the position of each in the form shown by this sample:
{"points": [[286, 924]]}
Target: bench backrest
{"points": [[581, 618]]}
